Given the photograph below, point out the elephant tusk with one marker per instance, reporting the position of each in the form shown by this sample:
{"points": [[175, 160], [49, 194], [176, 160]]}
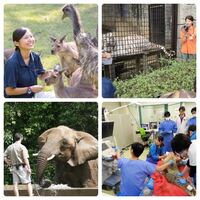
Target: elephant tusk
{"points": [[35, 154], [51, 157]]}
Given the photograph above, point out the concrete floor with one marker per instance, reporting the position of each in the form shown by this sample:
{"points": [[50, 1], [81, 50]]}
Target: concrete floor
{"points": [[126, 155]]}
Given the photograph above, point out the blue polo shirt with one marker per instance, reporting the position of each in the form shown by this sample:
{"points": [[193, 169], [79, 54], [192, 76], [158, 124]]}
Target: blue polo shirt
{"points": [[192, 121], [108, 89], [133, 175], [17, 74]]}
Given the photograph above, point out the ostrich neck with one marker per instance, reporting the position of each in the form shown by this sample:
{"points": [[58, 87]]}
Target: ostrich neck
{"points": [[76, 21]]}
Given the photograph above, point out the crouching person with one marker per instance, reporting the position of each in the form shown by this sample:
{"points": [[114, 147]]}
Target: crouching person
{"points": [[156, 151], [184, 148], [16, 157], [134, 171]]}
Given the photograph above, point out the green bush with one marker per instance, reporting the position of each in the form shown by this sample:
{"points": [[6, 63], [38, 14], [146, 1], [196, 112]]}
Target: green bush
{"points": [[174, 76]]}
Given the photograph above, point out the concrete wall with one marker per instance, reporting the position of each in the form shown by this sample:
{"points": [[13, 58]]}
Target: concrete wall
{"points": [[183, 11]]}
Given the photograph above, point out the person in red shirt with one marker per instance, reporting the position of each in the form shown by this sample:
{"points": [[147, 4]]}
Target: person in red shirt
{"points": [[188, 39]]}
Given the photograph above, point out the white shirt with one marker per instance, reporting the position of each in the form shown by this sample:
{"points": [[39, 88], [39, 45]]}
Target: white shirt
{"points": [[192, 153], [182, 125]]}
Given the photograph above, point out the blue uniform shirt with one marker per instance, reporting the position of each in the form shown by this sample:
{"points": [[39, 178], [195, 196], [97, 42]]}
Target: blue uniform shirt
{"points": [[18, 74], [108, 89], [191, 121], [193, 136], [154, 153], [167, 129], [133, 175]]}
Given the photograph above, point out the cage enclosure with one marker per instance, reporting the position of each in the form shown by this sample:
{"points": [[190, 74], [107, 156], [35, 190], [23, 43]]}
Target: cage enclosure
{"points": [[137, 35]]}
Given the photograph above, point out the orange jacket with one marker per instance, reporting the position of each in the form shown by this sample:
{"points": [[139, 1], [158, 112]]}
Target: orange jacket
{"points": [[188, 41]]}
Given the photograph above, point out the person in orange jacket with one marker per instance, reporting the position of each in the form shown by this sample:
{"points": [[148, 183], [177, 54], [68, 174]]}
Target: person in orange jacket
{"points": [[188, 39]]}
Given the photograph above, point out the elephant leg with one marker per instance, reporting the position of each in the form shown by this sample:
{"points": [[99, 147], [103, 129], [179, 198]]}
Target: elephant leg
{"points": [[93, 167], [77, 176]]}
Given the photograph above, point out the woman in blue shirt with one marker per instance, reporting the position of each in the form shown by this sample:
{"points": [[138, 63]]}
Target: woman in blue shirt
{"points": [[156, 151], [23, 67]]}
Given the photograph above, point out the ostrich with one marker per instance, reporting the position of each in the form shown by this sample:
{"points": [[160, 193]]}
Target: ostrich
{"points": [[86, 45]]}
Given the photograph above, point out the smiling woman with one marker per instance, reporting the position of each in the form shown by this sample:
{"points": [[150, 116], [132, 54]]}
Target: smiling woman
{"points": [[23, 67]]}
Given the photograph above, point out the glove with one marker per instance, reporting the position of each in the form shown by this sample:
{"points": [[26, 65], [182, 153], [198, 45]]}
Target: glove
{"points": [[183, 162], [180, 174], [181, 181], [171, 162], [150, 184]]}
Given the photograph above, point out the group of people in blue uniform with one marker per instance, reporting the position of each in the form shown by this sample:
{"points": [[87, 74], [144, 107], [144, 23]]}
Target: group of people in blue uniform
{"points": [[183, 145], [168, 128]]}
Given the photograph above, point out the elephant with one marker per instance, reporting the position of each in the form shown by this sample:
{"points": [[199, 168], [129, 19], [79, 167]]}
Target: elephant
{"points": [[75, 154]]}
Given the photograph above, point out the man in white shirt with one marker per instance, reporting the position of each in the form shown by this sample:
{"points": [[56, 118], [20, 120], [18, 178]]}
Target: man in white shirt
{"points": [[181, 121]]}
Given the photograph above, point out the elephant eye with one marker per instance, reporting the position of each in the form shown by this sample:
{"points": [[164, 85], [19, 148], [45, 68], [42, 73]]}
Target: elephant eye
{"points": [[41, 143], [64, 147]]}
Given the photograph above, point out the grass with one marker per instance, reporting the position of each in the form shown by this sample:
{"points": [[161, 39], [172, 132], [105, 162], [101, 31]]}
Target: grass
{"points": [[177, 75], [44, 20]]}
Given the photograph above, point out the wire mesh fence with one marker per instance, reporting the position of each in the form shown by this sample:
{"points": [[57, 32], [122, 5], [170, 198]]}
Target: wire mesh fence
{"points": [[136, 35]]}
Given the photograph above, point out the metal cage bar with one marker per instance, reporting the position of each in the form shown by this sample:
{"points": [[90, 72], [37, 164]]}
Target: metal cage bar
{"points": [[135, 35]]}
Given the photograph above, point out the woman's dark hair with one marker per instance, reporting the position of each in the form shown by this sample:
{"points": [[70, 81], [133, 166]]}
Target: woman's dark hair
{"points": [[182, 108], [137, 148], [193, 109], [18, 34], [160, 138], [167, 114], [192, 128], [18, 136], [180, 142], [190, 17]]}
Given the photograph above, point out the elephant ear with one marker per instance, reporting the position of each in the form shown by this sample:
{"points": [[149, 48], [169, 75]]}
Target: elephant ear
{"points": [[86, 149], [43, 137]]}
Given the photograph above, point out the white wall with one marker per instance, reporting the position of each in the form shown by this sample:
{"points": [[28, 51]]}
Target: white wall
{"points": [[125, 122], [155, 112], [152, 113]]}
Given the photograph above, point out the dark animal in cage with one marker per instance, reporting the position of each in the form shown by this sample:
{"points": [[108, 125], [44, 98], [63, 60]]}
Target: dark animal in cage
{"points": [[88, 51], [68, 54], [130, 45]]}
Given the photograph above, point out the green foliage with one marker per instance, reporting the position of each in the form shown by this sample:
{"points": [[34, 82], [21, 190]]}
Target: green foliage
{"points": [[33, 118], [174, 75], [44, 20]]}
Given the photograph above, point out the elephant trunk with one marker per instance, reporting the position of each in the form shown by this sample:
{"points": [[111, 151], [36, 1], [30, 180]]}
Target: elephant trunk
{"points": [[41, 165]]}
